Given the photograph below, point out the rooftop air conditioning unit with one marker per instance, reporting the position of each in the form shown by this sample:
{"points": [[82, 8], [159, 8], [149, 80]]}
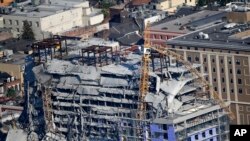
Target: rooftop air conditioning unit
{"points": [[8, 79]]}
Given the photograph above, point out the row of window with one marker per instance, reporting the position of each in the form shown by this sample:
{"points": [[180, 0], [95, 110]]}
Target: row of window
{"points": [[244, 119], [232, 90], [204, 49], [17, 22], [231, 80], [222, 70], [203, 134], [161, 37], [241, 108], [189, 58]]}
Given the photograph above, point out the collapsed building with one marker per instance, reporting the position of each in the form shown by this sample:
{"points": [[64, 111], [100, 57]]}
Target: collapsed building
{"points": [[93, 96]]}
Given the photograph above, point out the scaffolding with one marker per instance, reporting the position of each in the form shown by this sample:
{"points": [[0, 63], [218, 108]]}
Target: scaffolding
{"points": [[47, 107], [94, 55]]}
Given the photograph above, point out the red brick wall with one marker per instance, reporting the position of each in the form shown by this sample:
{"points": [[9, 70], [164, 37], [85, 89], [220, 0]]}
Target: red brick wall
{"points": [[5, 36], [160, 38]]}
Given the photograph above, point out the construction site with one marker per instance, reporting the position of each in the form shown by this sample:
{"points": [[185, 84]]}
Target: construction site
{"points": [[96, 90]]}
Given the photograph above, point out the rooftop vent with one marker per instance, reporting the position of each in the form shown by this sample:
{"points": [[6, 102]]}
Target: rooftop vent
{"points": [[165, 28], [230, 25], [177, 23], [203, 35]]}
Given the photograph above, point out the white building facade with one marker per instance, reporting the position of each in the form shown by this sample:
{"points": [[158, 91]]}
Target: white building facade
{"points": [[53, 18], [172, 5]]}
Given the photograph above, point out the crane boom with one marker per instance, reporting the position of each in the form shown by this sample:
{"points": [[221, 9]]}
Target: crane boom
{"points": [[144, 78], [144, 83], [195, 72]]}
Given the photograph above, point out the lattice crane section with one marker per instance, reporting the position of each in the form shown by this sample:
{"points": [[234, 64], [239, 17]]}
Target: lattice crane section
{"points": [[48, 109], [195, 72]]}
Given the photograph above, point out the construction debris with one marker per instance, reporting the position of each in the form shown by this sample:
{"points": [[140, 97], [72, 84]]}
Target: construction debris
{"points": [[100, 102]]}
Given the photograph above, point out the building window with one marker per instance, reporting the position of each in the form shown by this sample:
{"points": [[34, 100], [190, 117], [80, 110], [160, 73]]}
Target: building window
{"points": [[240, 91], [222, 79], [248, 108], [4, 21], [231, 71], [215, 89], [245, 62], [197, 59], [239, 81], [166, 137], [224, 89], [232, 81], [196, 137], [221, 61], [222, 70], [211, 132], [240, 108], [237, 62], [17, 29], [214, 70], [248, 119], [232, 90], [189, 58], [238, 71], [203, 134], [10, 22], [17, 23], [37, 24], [196, 48], [188, 48], [229, 61], [242, 119], [205, 69], [205, 60], [247, 91], [199, 69], [213, 60], [214, 79]]}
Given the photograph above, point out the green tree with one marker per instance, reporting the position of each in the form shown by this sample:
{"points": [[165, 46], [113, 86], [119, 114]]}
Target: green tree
{"points": [[28, 33], [224, 2], [105, 5], [201, 3], [11, 92]]}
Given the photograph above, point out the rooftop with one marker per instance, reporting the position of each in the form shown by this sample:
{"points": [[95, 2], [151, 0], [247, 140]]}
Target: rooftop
{"points": [[17, 134], [120, 6], [130, 38], [16, 45], [43, 10], [72, 3], [228, 36], [194, 21], [4, 76], [75, 46], [146, 13], [123, 28], [15, 59]]}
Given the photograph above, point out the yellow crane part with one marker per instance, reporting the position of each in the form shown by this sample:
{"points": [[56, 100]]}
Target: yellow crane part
{"points": [[195, 72]]}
